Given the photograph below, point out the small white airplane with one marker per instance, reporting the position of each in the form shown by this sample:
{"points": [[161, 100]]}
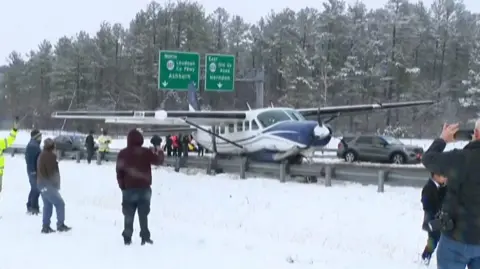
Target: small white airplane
{"points": [[269, 134]]}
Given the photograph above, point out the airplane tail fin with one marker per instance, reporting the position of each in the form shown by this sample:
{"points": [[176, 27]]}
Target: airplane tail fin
{"points": [[193, 104]]}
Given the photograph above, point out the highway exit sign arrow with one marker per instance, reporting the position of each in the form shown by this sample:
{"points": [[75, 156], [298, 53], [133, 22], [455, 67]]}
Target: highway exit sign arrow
{"points": [[177, 69], [219, 72]]}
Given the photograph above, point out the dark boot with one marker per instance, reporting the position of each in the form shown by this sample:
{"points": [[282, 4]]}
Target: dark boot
{"points": [[63, 228], [127, 240], [47, 230], [147, 241]]}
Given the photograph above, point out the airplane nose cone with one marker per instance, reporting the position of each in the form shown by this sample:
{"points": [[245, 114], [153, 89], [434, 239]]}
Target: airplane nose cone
{"points": [[321, 131]]}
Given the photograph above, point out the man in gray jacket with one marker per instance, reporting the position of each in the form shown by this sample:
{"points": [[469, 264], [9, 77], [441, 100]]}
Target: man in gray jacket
{"points": [[48, 180]]}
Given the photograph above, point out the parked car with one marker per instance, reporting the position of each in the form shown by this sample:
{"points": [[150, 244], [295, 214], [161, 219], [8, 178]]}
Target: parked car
{"points": [[70, 142], [377, 148]]}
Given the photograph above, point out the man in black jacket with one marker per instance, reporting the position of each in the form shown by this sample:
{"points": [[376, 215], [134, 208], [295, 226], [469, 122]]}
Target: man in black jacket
{"points": [[459, 244], [90, 146], [156, 141], [433, 194]]}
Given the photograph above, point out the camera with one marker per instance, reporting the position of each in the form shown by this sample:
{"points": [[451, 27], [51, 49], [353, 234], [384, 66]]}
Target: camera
{"points": [[463, 135], [442, 222]]}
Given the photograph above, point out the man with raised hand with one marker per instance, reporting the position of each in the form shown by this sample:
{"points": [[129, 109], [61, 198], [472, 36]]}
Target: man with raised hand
{"points": [[459, 219], [4, 144], [134, 177]]}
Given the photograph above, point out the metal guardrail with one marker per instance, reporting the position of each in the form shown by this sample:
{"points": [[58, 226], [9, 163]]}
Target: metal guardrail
{"points": [[325, 173]]}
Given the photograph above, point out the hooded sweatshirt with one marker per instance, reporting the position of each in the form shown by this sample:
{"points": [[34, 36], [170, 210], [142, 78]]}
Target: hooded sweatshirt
{"points": [[134, 163], [48, 173]]}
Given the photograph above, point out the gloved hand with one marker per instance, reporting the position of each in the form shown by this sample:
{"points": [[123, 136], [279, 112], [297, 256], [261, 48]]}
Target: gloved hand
{"points": [[15, 124], [442, 222]]}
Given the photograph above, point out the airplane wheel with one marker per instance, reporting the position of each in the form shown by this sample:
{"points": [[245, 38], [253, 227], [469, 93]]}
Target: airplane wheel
{"points": [[298, 159], [350, 156]]}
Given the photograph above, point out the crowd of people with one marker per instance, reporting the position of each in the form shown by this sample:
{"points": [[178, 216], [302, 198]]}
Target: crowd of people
{"points": [[175, 145], [180, 145]]}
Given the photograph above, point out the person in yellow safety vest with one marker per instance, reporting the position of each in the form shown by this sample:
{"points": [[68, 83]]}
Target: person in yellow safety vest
{"points": [[4, 144], [104, 144]]}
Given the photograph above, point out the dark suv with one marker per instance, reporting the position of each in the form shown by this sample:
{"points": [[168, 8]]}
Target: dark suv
{"points": [[377, 148], [70, 142]]}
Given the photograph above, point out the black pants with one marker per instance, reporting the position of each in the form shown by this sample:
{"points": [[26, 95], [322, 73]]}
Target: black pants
{"points": [[136, 200], [102, 155], [90, 153], [34, 194]]}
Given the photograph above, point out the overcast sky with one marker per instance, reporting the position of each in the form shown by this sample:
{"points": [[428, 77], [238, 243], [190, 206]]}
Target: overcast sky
{"points": [[24, 24]]}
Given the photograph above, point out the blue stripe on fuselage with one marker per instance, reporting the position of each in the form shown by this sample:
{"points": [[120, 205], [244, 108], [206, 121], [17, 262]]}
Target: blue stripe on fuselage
{"points": [[298, 131]]}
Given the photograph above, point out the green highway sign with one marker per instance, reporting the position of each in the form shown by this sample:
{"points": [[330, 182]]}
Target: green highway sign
{"points": [[176, 69], [219, 72]]}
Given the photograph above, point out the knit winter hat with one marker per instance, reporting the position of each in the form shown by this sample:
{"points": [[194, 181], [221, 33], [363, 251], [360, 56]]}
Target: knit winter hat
{"points": [[35, 134], [48, 144]]}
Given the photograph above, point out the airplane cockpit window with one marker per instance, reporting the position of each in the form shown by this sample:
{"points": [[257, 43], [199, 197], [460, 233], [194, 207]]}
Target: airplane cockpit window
{"points": [[254, 125], [295, 115], [247, 125], [271, 117], [231, 128], [292, 115], [298, 115]]}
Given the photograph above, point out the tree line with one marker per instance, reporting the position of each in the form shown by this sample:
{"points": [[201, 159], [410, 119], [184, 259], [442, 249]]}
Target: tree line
{"points": [[339, 55]]}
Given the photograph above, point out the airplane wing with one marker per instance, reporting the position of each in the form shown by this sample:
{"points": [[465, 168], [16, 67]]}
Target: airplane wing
{"points": [[332, 110], [159, 117]]}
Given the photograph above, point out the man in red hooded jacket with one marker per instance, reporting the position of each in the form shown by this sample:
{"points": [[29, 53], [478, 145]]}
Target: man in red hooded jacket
{"points": [[134, 176]]}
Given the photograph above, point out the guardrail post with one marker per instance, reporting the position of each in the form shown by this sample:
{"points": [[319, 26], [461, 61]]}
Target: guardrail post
{"points": [[14, 150], [243, 167], [178, 163], [381, 180], [99, 158], [78, 156], [283, 171], [328, 176], [212, 165]]}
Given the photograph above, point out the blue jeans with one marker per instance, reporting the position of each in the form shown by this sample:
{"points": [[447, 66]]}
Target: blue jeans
{"points": [[34, 195], [136, 200], [51, 197], [452, 254]]}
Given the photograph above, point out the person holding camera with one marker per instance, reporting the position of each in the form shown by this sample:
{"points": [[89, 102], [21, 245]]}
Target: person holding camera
{"points": [[433, 194], [459, 218]]}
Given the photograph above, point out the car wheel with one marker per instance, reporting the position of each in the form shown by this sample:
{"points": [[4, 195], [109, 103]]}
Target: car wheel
{"points": [[350, 156], [398, 158]]}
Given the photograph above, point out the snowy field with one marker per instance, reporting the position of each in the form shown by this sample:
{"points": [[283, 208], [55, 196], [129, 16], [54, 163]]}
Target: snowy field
{"points": [[199, 221], [24, 136]]}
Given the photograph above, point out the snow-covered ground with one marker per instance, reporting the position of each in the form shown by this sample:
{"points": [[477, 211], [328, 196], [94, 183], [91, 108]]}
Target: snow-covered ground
{"points": [[199, 221], [24, 136]]}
